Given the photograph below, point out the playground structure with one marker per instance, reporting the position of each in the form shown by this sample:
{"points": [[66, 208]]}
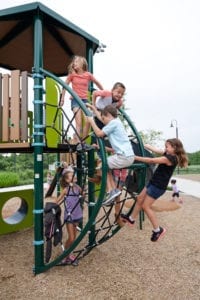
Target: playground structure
{"points": [[38, 43]]}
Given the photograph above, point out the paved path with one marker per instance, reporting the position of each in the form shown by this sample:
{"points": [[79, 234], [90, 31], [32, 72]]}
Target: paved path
{"points": [[189, 187]]}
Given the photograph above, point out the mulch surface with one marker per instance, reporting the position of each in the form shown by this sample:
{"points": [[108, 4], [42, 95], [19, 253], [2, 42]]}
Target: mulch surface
{"points": [[128, 266]]}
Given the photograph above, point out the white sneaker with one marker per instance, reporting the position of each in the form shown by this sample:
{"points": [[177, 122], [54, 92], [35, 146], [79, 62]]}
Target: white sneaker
{"points": [[110, 197]]}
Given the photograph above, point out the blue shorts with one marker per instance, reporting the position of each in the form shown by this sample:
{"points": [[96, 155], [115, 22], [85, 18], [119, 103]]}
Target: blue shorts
{"points": [[154, 191], [75, 104]]}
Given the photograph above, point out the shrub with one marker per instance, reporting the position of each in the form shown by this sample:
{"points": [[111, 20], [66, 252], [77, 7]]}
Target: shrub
{"points": [[8, 179], [26, 174]]}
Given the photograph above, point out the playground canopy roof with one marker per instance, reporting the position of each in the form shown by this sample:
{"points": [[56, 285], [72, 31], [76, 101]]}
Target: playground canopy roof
{"points": [[61, 39]]}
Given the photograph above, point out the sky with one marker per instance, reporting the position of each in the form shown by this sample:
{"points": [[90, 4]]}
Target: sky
{"points": [[153, 47]]}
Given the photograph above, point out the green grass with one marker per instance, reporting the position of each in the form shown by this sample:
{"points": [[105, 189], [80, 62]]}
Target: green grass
{"points": [[192, 169], [8, 179]]}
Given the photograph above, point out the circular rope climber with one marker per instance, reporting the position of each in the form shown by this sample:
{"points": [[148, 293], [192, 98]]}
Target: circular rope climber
{"points": [[100, 223]]}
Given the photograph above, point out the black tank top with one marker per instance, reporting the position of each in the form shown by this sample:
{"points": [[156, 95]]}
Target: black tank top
{"points": [[163, 172]]}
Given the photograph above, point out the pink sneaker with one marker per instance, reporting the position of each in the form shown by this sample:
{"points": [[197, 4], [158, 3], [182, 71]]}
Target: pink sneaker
{"points": [[72, 257], [74, 260], [66, 261], [126, 219]]}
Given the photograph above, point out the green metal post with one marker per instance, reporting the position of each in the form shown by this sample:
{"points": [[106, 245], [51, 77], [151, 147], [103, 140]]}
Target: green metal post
{"points": [[141, 184], [79, 161], [38, 144], [58, 182], [91, 194], [89, 57], [91, 163]]}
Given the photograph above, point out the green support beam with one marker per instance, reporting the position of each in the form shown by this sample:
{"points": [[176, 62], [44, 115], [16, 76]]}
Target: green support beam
{"points": [[38, 144]]}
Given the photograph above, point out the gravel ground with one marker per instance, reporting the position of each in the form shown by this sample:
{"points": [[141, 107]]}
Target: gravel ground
{"points": [[128, 266]]}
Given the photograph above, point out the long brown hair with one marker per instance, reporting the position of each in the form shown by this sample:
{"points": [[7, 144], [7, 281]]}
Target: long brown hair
{"points": [[82, 60], [179, 151]]}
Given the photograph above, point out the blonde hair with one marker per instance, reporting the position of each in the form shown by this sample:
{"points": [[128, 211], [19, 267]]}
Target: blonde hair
{"points": [[83, 62], [179, 151]]}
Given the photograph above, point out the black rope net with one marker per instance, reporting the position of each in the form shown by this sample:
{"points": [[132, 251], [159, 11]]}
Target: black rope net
{"points": [[107, 221], [106, 224]]}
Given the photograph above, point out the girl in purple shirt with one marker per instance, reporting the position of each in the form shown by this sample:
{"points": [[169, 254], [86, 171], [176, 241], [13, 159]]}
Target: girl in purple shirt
{"points": [[73, 214]]}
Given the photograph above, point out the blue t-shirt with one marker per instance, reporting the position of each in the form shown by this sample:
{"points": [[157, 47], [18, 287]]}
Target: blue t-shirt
{"points": [[118, 137]]}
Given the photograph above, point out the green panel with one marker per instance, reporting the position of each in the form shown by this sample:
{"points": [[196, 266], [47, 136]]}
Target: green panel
{"points": [[52, 98], [27, 221]]}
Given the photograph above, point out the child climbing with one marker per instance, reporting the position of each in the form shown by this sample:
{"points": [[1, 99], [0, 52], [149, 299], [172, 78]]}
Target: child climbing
{"points": [[119, 176], [100, 99], [123, 153], [173, 155], [80, 78], [73, 214], [175, 191]]}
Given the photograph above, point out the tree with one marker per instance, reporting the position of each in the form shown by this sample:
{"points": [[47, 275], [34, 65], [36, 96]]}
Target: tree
{"points": [[151, 136], [194, 158]]}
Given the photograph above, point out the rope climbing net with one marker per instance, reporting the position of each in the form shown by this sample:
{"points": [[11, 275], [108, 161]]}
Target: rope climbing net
{"points": [[100, 223], [107, 221]]}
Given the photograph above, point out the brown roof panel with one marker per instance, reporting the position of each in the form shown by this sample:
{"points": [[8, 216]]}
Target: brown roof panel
{"points": [[62, 39]]}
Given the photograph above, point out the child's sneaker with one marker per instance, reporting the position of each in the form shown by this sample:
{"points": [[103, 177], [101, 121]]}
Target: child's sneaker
{"points": [[66, 261], [126, 219], [84, 147], [110, 197], [158, 235], [74, 260]]}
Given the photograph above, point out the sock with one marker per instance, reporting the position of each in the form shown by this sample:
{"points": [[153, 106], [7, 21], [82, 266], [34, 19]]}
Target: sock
{"points": [[157, 229]]}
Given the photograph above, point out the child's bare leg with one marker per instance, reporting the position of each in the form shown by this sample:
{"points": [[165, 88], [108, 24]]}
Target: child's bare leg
{"points": [[139, 203], [147, 206], [71, 235], [78, 121], [117, 206], [75, 230], [118, 212], [110, 182], [86, 128], [181, 200]]}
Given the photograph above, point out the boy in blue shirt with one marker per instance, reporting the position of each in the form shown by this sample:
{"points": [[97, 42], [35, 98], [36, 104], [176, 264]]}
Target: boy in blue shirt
{"points": [[123, 155]]}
